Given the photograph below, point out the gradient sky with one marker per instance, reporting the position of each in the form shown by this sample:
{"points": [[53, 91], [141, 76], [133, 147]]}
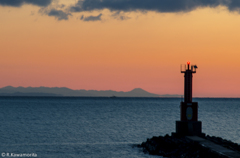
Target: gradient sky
{"points": [[121, 45]]}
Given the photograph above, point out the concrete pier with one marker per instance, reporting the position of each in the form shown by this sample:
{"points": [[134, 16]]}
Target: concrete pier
{"points": [[191, 146], [215, 147]]}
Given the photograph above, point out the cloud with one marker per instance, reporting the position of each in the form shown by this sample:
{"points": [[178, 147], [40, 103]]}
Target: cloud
{"points": [[62, 12], [91, 18], [18, 3], [47, 7], [120, 16], [152, 5], [58, 14], [234, 5]]}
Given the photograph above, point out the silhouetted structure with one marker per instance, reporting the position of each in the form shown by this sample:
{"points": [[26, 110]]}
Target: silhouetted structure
{"points": [[188, 124]]}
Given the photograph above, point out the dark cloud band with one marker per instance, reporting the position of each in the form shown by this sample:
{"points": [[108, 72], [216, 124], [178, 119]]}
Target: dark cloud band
{"points": [[152, 5], [18, 3], [172, 6]]}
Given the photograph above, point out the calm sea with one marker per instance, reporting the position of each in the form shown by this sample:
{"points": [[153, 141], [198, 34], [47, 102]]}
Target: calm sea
{"points": [[62, 127]]}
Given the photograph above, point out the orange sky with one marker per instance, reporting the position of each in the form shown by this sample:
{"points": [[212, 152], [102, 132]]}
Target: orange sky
{"points": [[143, 51]]}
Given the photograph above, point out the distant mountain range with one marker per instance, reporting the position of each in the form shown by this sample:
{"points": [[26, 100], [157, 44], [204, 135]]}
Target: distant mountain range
{"points": [[63, 91]]}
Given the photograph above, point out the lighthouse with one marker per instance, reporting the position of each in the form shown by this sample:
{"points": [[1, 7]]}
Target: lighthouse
{"points": [[188, 124]]}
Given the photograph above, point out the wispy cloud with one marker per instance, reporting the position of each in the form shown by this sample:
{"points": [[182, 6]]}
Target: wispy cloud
{"points": [[56, 10], [120, 16], [47, 7], [92, 18], [59, 14]]}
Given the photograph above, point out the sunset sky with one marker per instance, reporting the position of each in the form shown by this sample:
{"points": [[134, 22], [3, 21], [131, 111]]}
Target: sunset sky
{"points": [[121, 45]]}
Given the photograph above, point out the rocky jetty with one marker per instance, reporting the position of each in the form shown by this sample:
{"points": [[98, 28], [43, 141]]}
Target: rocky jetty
{"points": [[182, 147]]}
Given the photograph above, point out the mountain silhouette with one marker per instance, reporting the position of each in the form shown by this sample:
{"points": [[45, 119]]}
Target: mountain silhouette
{"points": [[63, 91]]}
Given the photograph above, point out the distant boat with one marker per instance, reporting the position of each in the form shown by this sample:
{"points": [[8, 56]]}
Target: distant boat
{"points": [[113, 96]]}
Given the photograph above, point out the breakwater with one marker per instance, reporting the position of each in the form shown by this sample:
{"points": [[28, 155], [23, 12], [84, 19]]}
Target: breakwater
{"points": [[186, 147]]}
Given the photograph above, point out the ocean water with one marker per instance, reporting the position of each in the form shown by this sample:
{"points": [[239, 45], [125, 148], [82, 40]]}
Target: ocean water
{"points": [[62, 127]]}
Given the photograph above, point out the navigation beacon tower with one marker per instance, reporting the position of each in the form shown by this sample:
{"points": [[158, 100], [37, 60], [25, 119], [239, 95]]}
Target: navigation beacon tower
{"points": [[188, 124]]}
